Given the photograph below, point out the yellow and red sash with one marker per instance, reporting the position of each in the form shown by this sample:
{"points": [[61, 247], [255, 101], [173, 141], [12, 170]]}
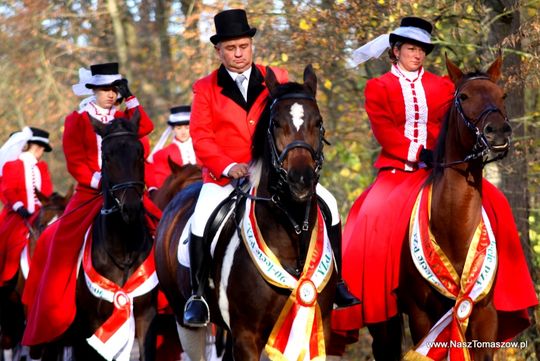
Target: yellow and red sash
{"points": [[298, 333], [114, 339], [446, 340]]}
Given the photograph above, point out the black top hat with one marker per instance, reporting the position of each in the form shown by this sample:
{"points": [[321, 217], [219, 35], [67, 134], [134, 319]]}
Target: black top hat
{"points": [[103, 75], [179, 115], [40, 137], [231, 24], [419, 24]]}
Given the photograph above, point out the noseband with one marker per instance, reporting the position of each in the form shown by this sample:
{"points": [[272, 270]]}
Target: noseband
{"points": [[279, 158], [481, 148], [124, 186]]}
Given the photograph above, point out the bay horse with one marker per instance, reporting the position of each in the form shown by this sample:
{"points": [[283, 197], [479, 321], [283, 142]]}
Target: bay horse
{"points": [[287, 154], [181, 176], [116, 288], [447, 242], [12, 313]]}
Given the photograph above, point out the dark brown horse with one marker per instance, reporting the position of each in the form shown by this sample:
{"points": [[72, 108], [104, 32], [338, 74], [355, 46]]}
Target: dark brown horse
{"points": [[475, 132], [110, 296], [12, 316], [286, 160]]}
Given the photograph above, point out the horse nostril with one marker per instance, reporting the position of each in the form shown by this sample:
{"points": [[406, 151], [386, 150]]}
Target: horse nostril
{"points": [[488, 129]]}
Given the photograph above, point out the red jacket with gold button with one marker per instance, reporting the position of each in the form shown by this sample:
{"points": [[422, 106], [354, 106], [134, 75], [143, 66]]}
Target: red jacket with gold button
{"points": [[222, 123]]}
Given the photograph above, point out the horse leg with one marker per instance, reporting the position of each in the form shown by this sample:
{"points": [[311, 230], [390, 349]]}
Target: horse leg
{"points": [[145, 327], [483, 327], [11, 318], [193, 342], [245, 346], [386, 335]]}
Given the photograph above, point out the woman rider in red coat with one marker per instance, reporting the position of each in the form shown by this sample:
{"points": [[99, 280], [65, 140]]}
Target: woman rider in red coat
{"points": [[50, 290]]}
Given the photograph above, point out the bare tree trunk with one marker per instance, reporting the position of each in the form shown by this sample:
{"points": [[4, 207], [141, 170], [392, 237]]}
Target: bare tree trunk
{"points": [[162, 23], [119, 35]]}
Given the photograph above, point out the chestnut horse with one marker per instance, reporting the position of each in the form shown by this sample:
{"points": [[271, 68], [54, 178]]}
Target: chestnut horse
{"points": [[12, 316], [286, 160], [447, 242]]}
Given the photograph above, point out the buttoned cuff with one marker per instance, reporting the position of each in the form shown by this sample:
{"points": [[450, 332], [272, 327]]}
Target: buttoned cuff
{"points": [[228, 168], [96, 178], [414, 151]]}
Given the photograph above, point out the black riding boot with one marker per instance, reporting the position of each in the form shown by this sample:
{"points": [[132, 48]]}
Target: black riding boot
{"points": [[343, 297], [196, 311]]}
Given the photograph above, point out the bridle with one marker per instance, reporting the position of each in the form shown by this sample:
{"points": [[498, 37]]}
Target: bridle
{"points": [[124, 186], [481, 147], [279, 158]]}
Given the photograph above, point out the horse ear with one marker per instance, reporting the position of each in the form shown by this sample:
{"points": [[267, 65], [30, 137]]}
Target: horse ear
{"points": [[175, 167], [42, 197], [453, 71], [494, 71], [271, 81], [98, 126], [310, 79]]}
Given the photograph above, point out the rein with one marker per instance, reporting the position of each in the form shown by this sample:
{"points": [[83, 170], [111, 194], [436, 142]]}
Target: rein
{"points": [[481, 148]]}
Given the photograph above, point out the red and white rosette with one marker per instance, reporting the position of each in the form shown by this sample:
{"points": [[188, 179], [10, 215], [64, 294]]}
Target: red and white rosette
{"points": [[298, 332]]}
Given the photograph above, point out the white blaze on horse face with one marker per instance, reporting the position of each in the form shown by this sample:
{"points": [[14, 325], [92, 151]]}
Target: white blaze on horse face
{"points": [[297, 112]]}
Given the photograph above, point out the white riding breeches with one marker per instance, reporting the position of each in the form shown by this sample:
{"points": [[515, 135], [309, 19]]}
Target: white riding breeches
{"points": [[213, 194]]}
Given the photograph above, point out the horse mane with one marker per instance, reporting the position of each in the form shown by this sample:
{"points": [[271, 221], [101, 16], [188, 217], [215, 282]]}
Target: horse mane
{"points": [[439, 151], [260, 150]]}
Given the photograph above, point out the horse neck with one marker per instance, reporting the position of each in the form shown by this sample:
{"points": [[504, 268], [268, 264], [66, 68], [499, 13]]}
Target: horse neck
{"points": [[277, 228], [456, 205]]}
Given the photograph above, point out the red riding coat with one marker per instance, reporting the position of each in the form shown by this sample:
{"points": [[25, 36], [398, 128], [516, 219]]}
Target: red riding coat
{"points": [[160, 166], [50, 289], [222, 129], [18, 189]]}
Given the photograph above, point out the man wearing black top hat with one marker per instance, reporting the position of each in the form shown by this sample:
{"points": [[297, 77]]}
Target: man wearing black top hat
{"points": [[226, 107]]}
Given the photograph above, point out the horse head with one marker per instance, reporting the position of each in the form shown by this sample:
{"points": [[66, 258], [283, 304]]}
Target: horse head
{"points": [[122, 167], [479, 104], [294, 134]]}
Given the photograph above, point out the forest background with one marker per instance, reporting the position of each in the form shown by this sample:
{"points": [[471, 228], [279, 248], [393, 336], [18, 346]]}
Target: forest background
{"points": [[163, 47]]}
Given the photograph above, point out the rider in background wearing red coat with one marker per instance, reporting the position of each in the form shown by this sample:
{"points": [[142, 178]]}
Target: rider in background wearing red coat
{"points": [[226, 107], [181, 148], [406, 107], [21, 179], [50, 290]]}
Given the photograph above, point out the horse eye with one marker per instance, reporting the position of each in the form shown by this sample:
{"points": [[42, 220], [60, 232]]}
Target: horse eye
{"points": [[504, 96], [463, 96]]}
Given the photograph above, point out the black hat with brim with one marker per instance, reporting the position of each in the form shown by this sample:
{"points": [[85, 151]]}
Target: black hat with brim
{"points": [[414, 22], [231, 24], [179, 115], [103, 75], [40, 137]]}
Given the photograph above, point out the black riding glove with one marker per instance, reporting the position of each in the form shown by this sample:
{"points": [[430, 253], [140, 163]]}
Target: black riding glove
{"points": [[123, 89], [23, 212], [426, 156]]}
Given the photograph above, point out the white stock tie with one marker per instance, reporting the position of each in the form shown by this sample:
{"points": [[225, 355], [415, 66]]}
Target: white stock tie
{"points": [[239, 82]]}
